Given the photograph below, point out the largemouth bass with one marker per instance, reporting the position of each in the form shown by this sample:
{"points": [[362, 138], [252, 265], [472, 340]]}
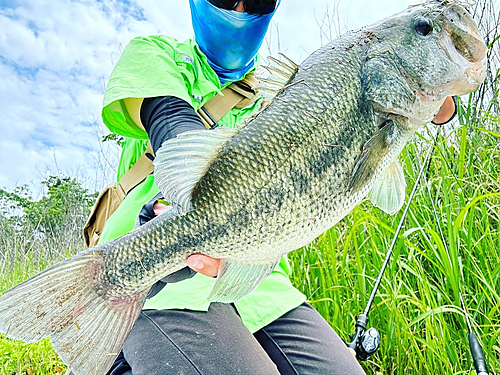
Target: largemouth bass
{"points": [[249, 196]]}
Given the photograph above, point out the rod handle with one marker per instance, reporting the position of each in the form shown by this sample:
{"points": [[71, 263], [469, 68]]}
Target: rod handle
{"points": [[477, 355]]}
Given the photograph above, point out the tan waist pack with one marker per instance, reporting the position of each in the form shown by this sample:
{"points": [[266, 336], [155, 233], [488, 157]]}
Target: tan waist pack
{"points": [[113, 195], [239, 94]]}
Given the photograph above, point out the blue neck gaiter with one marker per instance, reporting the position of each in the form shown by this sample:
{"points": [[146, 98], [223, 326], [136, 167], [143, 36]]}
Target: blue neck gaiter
{"points": [[229, 39]]}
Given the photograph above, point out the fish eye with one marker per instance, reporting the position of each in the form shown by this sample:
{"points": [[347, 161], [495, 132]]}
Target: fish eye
{"points": [[423, 26]]}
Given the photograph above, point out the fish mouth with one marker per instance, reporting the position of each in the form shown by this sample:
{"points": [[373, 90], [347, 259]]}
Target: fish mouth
{"points": [[473, 73], [464, 33], [463, 44]]}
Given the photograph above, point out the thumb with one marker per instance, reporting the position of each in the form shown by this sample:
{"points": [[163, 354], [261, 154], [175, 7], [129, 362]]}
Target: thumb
{"points": [[204, 264]]}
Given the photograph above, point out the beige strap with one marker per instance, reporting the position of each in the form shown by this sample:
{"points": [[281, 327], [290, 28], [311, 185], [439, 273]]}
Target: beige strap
{"points": [[246, 88], [142, 168], [113, 195], [238, 94], [219, 105], [206, 118]]}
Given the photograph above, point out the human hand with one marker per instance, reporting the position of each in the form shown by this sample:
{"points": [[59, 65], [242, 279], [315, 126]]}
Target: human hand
{"points": [[446, 112], [204, 264], [200, 263]]}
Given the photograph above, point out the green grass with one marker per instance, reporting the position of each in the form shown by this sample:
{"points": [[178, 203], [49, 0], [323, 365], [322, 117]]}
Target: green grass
{"points": [[417, 307], [19, 358], [24, 257]]}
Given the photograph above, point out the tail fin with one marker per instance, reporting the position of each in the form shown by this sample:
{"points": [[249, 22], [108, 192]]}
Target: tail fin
{"points": [[86, 327]]}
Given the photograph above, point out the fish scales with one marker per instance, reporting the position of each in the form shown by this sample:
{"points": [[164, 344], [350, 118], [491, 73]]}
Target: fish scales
{"points": [[250, 196]]}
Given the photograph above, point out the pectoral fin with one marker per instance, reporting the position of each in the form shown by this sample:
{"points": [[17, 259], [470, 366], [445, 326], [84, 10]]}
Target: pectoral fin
{"points": [[388, 193], [371, 157], [181, 162], [237, 279]]}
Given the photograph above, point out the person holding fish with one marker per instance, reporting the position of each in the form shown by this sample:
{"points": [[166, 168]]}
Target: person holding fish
{"points": [[247, 196], [154, 91]]}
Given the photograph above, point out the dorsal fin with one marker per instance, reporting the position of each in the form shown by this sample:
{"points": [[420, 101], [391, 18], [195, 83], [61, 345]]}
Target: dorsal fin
{"points": [[276, 75], [181, 162], [290, 62]]}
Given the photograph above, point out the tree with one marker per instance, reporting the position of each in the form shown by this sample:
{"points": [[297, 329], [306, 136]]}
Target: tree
{"points": [[56, 218]]}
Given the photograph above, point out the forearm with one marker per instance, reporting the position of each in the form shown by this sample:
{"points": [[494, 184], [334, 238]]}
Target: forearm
{"points": [[166, 117]]}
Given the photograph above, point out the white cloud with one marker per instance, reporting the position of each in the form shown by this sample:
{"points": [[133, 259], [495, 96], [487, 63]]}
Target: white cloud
{"points": [[56, 57]]}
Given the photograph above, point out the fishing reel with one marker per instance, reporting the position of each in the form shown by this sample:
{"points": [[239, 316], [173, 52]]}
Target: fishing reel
{"points": [[364, 342]]}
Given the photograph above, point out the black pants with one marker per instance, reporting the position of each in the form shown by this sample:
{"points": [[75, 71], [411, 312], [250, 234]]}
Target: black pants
{"points": [[216, 342]]}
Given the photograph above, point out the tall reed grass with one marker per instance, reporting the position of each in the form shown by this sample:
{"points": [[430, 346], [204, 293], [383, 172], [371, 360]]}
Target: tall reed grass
{"points": [[29, 243]]}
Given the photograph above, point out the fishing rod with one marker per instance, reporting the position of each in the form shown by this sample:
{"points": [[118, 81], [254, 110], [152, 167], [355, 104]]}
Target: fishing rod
{"points": [[365, 342]]}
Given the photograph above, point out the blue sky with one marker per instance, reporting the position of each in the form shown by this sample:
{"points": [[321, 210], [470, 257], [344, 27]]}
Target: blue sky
{"points": [[56, 56]]}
